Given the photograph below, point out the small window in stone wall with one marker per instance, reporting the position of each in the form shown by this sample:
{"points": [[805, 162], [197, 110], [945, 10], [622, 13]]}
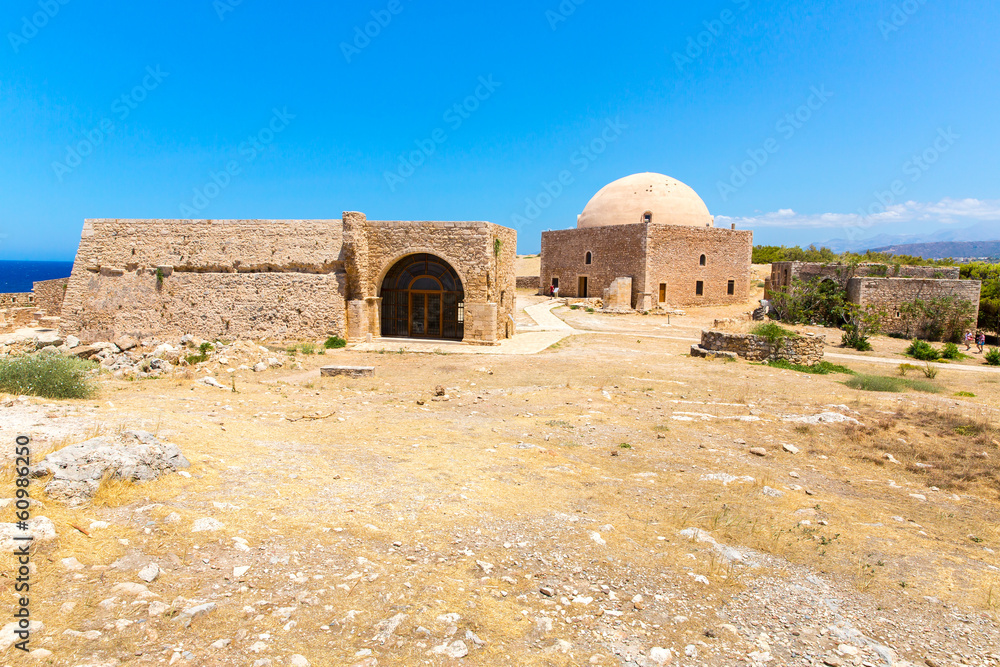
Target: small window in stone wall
{"points": [[647, 217], [555, 282], [732, 287], [590, 258], [699, 288], [704, 260]]}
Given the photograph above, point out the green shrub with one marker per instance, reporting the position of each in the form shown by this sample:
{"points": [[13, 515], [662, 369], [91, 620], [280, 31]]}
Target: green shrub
{"points": [[204, 349], [965, 394], [590, 310], [855, 339], [929, 371], [47, 375], [822, 368], [993, 357], [950, 351], [307, 348], [335, 343], [890, 384], [772, 332], [922, 350], [906, 368]]}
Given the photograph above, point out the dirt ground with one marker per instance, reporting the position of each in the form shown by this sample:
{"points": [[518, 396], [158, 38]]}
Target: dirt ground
{"points": [[595, 504]]}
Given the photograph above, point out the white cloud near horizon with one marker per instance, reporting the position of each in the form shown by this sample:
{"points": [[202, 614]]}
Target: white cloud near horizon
{"points": [[947, 211]]}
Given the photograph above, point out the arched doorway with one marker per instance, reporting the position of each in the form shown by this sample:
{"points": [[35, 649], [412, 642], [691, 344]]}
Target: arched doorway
{"points": [[422, 297]]}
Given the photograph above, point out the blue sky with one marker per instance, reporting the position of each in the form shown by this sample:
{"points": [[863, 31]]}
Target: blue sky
{"points": [[789, 117]]}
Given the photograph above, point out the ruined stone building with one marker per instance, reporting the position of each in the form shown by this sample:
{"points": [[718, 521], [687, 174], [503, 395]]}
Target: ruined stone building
{"points": [[648, 241], [293, 279], [890, 287]]}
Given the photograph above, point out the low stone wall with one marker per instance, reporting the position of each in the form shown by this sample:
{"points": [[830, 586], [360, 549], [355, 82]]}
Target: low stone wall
{"points": [[806, 349], [528, 282], [12, 319], [49, 295]]}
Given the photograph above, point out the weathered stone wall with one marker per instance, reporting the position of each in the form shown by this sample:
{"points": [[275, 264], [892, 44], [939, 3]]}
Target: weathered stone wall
{"points": [[17, 318], [806, 350], [618, 297], [616, 251], [674, 259], [528, 282], [783, 274], [211, 305], [891, 293], [49, 295], [265, 278], [17, 300]]}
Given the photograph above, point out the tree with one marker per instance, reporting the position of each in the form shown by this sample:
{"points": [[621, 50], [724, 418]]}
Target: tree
{"points": [[860, 324]]}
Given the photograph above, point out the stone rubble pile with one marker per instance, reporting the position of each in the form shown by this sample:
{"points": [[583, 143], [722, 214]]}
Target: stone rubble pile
{"points": [[128, 358]]}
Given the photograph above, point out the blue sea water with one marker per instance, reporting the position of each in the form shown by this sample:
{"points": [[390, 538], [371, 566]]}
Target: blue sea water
{"points": [[16, 276]]}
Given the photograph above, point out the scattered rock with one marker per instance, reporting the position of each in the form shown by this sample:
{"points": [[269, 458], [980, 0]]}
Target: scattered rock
{"points": [[298, 660], [791, 449], [40, 529], [206, 525], [212, 382], [758, 451], [661, 656], [456, 649], [125, 343], [191, 613], [77, 470], [149, 573], [774, 493]]}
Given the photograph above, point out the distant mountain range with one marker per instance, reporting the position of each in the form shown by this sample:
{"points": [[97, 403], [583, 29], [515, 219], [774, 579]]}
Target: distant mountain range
{"points": [[983, 232], [945, 250]]}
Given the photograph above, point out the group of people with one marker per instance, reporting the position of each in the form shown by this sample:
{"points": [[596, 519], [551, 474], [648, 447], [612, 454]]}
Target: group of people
{"points": [[979, 339]]}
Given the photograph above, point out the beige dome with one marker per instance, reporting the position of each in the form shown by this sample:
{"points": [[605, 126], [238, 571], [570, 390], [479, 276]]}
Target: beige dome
{"points": [[628, 200]]}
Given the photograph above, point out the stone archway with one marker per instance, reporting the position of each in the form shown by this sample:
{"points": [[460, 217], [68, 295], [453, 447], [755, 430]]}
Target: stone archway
{"points": [[422, 297]]}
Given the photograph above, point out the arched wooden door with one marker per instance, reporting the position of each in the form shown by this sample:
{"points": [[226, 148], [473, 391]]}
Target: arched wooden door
{"points": [[422, 297]]}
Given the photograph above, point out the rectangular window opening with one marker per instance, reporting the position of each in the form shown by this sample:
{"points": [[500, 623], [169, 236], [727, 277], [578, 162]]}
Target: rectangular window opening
{"points": [[699, 288], [732, 287]]}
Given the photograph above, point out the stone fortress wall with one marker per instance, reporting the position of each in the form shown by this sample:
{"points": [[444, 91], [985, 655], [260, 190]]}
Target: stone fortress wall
{"points": [[284, 279], [652, 255], [49, 295], [783, 274], [886, 286], [890, 293]]}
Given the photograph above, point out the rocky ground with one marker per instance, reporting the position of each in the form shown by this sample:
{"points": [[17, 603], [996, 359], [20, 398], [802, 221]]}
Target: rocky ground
{"points": [[610, 501]]}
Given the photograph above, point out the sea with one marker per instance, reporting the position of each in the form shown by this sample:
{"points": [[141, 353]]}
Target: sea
{"points": [[17, 276]]}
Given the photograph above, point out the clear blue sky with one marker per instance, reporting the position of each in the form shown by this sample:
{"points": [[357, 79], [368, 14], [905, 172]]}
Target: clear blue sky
{"points": [[902, 76]]}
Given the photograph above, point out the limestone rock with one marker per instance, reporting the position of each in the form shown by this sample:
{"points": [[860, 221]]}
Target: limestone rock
{"points": [[661, 656], [126, 343], [791, 449], [758, 451], [212, 382], [206, 525], [456, 649], [40, 529], [8, 638], [149, 573], [77, 470], [298, 660]]}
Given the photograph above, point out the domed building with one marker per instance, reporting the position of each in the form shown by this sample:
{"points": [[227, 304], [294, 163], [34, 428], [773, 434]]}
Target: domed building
{"points": [[647, 241]]}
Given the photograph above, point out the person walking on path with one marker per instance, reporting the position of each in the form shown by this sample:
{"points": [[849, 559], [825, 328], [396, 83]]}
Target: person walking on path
{"points": [[968, 341], [981, 341]]}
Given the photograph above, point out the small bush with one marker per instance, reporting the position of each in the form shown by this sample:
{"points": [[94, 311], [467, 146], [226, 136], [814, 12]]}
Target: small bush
{"points": [[906, 368], [335, 343], [574, 307], [773, 333], [923, 351], [307, 348], [853, 338], [950, 351], [47, 375], [929, 372], [965, 394], [590, 310], [993, 357]]}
